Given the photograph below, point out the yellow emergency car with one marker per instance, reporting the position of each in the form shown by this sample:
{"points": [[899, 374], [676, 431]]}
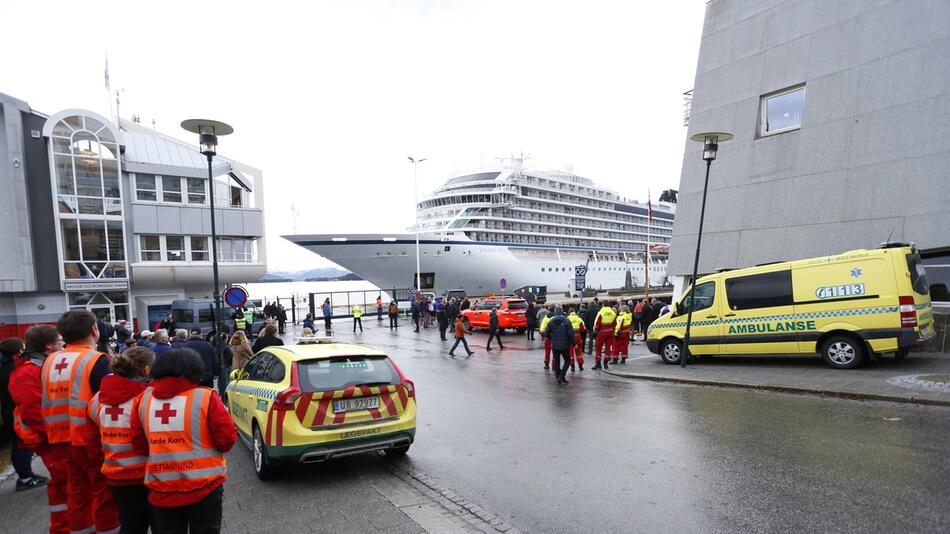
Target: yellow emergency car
{"points": [[845, 307], [314, 402]]}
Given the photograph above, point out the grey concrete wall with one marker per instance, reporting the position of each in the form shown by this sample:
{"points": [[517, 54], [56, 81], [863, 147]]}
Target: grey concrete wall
{"points": [[16, 261], [872, 156]]}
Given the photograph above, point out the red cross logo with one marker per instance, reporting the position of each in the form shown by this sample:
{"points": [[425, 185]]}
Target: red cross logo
{"points": [[61, 365], [115, 412], [165, 413]]}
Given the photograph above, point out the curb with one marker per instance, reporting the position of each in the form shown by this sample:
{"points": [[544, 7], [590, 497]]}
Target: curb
{"points": [[785, 389]]}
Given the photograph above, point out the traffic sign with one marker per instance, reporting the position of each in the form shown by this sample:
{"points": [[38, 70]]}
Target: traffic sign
{"points": [[235, 296], [580, 271], [580, 277]]}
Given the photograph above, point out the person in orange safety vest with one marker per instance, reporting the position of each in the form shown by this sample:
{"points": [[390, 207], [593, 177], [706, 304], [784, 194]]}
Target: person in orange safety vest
{"points": [[604, 327], [26, 390], [110, 433], [622, 334], [70, 378], [577, 349], [184, 430]]}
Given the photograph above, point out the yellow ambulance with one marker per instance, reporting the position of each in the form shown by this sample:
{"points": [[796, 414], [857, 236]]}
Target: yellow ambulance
{"points": [[845, 307]]}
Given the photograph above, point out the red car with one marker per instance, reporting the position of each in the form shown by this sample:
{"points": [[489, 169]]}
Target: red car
{"points": [[511, 313]]}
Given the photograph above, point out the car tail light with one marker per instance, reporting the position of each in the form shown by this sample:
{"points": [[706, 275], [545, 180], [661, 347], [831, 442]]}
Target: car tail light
{"points": [[286, 398], [410, 388], [908, 312]]}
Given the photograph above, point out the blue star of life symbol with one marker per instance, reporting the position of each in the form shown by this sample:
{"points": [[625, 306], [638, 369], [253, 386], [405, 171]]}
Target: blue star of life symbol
{"points": [[855, 272]]}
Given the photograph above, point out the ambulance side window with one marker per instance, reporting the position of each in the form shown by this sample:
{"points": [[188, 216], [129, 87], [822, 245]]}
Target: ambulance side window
{"points": [[765, 290], [705, 296]]}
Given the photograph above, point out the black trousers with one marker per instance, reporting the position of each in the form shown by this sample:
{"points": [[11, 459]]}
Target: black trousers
{"points": [[357, 321], [393, 322], [497, 337], [530, 333], [281, 323], [560, 371], [203, 517], [326, 323], [20, 457], [135, 513], [442, 330]]}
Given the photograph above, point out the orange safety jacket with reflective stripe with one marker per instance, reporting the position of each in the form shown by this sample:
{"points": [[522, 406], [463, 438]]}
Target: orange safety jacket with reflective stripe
{"points": [[624, 322], [120, 462], [66, 392], [181, 452]]}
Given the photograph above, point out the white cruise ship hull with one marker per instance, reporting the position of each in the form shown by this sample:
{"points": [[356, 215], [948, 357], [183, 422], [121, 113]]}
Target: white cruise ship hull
{"points": [[453, 261]]}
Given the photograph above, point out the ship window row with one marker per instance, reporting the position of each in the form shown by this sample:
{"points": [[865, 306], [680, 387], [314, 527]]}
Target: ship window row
{"points": [[180, 190], [182, 248], [564, 228], [518, 214], [516, 239], [600, 215]]}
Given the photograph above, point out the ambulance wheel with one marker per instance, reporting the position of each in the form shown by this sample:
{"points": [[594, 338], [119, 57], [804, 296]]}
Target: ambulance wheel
{"points": [[396, 452], [901, 354], [842, 352], [262, 464], [670, 350]]}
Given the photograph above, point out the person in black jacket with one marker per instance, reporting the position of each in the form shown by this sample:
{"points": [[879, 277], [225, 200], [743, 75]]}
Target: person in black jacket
{"points": [[208, 357], [494, 332], [561, 334], [267, 339], [589, 318], [442, 317], [532, 318]]}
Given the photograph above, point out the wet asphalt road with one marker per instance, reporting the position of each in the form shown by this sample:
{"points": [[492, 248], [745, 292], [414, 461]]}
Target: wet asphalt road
{"points": [[604, 454]]}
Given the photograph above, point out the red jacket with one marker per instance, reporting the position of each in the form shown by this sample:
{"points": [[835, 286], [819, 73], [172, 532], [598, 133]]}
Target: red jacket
{"points": [[113, 390], [26, 389], [222, 429]]}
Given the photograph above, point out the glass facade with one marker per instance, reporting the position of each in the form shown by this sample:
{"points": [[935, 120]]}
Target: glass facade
{"points": [[85, 168]]}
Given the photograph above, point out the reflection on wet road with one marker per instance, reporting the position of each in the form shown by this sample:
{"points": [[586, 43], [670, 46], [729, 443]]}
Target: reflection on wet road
{"points": [[610, 455]]}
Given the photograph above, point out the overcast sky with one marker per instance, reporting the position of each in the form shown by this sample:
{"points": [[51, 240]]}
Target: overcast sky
{"points": [[329, 98]]}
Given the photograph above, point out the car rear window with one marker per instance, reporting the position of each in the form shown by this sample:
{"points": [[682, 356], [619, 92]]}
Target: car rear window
{"points": [[488, 305], [918, 274], [517, 305], [344, 371]]}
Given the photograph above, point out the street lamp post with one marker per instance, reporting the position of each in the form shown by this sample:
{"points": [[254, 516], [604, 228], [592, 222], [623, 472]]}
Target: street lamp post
{"points": [[415, 181], [208, 132], [710, 143]]}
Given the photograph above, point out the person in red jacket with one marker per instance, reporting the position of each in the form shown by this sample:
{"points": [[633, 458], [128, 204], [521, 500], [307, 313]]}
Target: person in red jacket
{"points": [[26, 389], [109, 429], [184, 429]]}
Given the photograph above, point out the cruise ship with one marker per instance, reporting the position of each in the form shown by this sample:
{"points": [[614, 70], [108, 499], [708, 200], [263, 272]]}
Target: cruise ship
{"points": [[506, 227]]}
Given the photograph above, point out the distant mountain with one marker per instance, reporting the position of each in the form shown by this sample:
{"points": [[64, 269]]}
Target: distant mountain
{"points": [[300, 276]]}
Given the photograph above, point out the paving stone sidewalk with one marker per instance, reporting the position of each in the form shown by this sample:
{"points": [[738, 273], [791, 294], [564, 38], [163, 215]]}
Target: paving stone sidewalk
{"points": [[923, 377]]}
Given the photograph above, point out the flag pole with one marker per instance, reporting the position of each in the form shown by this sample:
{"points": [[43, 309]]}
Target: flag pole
{"points": [[646, 277]]}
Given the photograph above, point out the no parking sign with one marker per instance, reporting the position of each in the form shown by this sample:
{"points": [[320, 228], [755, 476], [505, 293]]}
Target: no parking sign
{"points": [[235, 296]]}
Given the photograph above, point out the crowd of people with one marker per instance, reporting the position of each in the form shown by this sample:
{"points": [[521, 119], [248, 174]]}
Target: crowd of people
{"points": [[133, 439]]}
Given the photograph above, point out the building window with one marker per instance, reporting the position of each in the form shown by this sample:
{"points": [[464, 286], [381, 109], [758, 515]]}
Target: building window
{"points": [[175, 248], [199, 248], [171, 189], [151, 248], [145, 188], [782, 111], [196, 191]]}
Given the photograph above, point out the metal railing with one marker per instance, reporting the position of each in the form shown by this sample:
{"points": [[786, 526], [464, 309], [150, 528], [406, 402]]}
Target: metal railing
{"points": [[298, 305]]}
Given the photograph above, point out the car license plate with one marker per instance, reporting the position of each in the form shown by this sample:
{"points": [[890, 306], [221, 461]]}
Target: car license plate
{"points": [[351, 405]]}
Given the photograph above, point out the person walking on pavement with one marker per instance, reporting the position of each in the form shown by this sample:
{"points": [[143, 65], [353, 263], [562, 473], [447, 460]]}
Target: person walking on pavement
{"points": [[281, 318], [357, 317], [443, 319], [590, 317], [460, 332], [176, 417], [547, 341], [241, 352], [604, 326], [531, 319], [648, 315], [494, 330], [393, 315], [622, 334], [240, 320], [576, 352], [21, 455], [208, 357], [561, 334], [414, 311], [267, 339], [379, 307], [327, 310], [27, 393], [109, 429], [71, 377], [638, 315]]}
